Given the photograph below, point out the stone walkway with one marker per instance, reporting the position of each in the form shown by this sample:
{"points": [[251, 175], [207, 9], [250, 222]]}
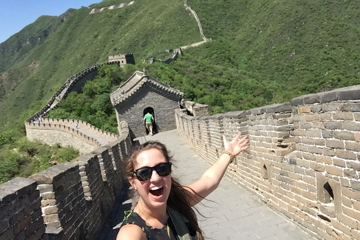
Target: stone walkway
{"points": [[230, 212]]}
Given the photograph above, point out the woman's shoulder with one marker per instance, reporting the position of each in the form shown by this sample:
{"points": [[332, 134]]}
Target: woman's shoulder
{"points": [[131, 232], [131, 227]]}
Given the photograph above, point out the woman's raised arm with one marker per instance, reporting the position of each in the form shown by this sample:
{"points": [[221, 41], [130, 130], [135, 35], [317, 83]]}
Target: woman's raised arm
{"points": [[211, 178]]}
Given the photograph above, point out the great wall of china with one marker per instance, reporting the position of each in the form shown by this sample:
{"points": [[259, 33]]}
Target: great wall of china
{"points": [[303, 158], [303, 161]]}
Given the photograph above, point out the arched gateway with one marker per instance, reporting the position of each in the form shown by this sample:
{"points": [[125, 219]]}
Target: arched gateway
{"points": [[140, 93]]}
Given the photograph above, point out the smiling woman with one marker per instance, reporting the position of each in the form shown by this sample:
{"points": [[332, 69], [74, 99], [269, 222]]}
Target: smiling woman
{"points": [[164, 210]]}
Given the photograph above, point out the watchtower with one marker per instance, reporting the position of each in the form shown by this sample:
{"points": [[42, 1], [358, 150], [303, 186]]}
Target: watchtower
{"points": [[122, 59]]}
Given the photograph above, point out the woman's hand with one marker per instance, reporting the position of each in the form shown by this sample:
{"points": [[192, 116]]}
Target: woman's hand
{"points": [[237, 145]]}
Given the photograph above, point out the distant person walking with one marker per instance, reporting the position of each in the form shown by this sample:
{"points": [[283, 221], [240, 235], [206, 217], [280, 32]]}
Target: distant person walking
{"points": [[148, 121]]}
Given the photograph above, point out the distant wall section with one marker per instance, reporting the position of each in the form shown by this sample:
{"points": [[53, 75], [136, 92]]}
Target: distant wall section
{"points": [[69, 132]]}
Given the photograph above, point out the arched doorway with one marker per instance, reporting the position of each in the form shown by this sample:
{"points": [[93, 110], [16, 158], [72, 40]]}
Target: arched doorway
{"points": [[152, 112]]}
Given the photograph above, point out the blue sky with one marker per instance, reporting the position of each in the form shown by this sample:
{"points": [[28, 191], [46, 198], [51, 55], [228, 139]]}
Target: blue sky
{"points": [[16, 14]]}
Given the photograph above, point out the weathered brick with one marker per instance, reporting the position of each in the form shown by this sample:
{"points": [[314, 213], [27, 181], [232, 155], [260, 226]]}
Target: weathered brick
{"points": [[351, 126], [350, 193], [333, 125], [327, 134], [350, 173], [346, 220], [51, 218], [355, 185], [344, 182], [343, 116], [23, 223], [308, 156], [334, 170], [48, 195], [320, 142], [48, 202], [346, 154], [304, 109], [325, 117], [316, 108], [350, 107], [50, 210], [315, 149], [353, 165], [8, 234], [357, 136], [346, 201], [352, 146], [317, 166], [338, 225], [334, 144], [4, 225], [323, 159], [305, 125], [357, 116], [309, 180], [312, 117], [339, 162], [319, 125], [298, 132], [329, 152], [343, 135], [355, 234], [356, 205], [351, 213]]}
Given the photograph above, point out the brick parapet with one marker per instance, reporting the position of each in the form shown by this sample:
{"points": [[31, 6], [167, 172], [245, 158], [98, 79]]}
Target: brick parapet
{"points": [[49, 127], [66, 201], [20, 210], [303, 157]]}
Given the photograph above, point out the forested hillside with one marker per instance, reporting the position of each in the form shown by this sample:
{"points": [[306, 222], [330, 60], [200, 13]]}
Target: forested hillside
{"points": [[83, 39]]}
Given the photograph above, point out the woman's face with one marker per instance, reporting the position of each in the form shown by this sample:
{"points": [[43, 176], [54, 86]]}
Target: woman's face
{"points": [[155, 191]]}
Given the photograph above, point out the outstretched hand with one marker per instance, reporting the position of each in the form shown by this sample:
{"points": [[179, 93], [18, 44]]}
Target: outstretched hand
{"points": [[237, 145]]}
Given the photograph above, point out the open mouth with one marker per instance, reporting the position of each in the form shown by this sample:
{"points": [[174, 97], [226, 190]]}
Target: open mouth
{"points": [[157, 191]]}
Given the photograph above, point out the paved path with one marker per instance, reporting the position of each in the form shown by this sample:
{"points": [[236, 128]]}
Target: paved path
{"points": [[230, 212]]}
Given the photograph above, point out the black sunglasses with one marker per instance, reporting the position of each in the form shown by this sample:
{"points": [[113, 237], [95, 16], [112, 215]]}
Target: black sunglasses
{"points": [[144, 173]]}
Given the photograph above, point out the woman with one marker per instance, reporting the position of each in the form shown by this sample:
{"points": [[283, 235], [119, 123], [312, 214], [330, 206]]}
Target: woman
{"points": [[164, 210]]}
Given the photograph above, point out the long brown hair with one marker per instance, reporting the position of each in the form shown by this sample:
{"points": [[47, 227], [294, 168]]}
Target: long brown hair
{"points": [[179, 196]]}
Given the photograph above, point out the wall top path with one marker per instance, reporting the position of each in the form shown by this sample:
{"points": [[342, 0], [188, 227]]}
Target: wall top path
{"points": [[341, 94]]}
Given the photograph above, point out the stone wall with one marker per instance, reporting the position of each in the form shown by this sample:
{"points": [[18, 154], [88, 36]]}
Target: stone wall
{"points": [[303, 158], [74, 83], [66, 133], [20, 210], [163, 103], [67, 201]]}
